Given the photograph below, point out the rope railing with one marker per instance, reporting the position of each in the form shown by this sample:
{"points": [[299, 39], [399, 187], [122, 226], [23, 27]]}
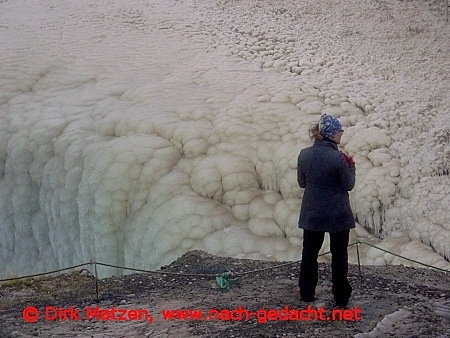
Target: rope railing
{"points": [[44, 273], [397, 255], [158, 272], [234, 275]]}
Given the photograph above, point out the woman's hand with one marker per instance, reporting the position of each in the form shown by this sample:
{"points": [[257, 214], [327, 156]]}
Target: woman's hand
{"points": [[349, 160]]}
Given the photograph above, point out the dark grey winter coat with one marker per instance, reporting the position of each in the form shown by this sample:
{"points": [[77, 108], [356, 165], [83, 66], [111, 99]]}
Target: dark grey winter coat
{"points": [[324, 173]]}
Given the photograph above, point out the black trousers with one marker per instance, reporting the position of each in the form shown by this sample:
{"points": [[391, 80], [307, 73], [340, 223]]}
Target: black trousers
{"points": [[312, 242]]}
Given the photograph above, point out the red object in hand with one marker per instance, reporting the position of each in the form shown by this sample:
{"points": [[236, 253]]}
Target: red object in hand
{"points": [[349, 160]]}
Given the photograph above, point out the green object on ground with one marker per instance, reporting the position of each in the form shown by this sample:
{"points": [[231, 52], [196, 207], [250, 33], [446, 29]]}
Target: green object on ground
{"points": [[223, 280]]}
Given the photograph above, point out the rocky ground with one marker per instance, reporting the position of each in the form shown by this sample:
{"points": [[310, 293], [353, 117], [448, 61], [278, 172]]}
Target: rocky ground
{"points": [[413, 302]]}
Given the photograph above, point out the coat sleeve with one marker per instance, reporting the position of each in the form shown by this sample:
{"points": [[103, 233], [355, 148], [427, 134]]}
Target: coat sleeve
{"points": [[301, 178], [347, 174]]}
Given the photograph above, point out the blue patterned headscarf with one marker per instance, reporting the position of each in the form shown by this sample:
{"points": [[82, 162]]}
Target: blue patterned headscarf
{"points": [[329, 126]]}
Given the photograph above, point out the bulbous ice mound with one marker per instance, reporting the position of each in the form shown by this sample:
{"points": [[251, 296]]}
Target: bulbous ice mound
{"points": [[133, 132]]}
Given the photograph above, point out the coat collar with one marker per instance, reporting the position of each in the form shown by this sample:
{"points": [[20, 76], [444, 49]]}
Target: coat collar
{"points": [[326, 143]]}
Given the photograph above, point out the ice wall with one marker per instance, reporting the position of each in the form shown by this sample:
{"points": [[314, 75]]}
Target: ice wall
{"points": [[133, 132], [385, 69]]}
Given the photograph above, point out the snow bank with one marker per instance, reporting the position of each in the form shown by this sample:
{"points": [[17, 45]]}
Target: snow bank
{"points": [[386, 324]]}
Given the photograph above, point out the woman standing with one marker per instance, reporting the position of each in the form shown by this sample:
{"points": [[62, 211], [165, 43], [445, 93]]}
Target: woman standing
{"points": [[327, 175]]}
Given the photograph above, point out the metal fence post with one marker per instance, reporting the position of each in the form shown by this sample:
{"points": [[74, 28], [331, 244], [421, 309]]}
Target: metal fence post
{"points": [[446, 10], [359, 263], [96, 281]]}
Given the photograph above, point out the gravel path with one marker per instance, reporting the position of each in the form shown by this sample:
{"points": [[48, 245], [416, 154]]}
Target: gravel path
{"points": [[417, 301]]}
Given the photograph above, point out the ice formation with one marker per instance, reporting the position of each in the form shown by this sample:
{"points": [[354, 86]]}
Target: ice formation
{"points": [[387, 323], [132, 132]]}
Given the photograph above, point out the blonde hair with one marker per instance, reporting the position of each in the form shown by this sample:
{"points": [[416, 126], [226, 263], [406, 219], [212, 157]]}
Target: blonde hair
{"points": [[314, 133]]}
